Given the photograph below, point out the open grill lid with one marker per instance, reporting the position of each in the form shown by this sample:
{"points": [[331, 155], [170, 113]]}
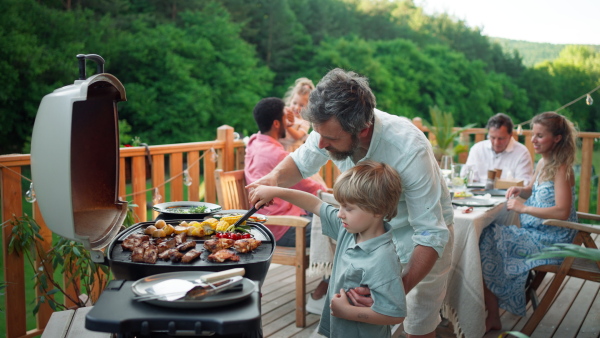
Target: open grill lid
{"points": [[75, 158]]}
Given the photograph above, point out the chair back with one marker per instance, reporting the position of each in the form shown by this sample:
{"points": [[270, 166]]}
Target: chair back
{"points": [[231, 189]]}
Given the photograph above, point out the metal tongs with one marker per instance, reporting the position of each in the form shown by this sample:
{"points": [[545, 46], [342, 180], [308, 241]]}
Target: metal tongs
{"points": [[247, 215], [206, 286]]}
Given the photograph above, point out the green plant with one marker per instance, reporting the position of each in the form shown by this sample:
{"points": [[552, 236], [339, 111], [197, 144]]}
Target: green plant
{"points": [[446, 136], [562, 250], [82, 274]]}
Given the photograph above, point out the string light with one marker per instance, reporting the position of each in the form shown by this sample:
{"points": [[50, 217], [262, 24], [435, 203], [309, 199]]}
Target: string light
{"points": [[519, 130], [157, 197], [30, 194], [588, 100], [31, 197], [187, 180]]}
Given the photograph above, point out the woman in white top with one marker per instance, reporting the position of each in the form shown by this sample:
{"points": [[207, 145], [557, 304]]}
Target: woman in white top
{"points": [[296, 99]]}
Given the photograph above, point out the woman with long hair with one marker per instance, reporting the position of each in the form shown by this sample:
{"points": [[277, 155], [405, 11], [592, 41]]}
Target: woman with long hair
{"points": [[551, 194]]}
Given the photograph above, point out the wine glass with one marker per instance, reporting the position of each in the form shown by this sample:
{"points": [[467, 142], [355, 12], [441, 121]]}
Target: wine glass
{"points": [[446, 166]]}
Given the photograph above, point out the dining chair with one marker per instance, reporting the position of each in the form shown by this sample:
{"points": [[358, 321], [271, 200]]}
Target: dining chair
{"points": [[575, 267], [231, 194]]}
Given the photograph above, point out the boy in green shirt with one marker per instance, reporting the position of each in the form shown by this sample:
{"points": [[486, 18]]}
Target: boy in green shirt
{"points": [[365, 255]]}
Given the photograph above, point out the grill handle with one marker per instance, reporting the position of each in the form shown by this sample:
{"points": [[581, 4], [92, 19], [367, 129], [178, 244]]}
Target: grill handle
{"points": [[98, 257], [94, 57]]}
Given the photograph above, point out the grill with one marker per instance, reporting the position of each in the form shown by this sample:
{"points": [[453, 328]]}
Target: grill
{"points": [[75, 166]]}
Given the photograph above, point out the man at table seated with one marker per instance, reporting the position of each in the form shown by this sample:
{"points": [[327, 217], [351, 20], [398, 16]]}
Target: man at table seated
{"points": [[500, 151], [263, 153]]}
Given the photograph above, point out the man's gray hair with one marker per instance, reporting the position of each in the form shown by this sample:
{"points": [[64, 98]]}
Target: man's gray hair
{"points": [[344, 95]]}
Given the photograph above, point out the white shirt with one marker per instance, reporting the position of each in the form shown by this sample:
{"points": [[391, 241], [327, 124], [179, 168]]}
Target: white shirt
{"points": [[425, 208], [515, 160]]}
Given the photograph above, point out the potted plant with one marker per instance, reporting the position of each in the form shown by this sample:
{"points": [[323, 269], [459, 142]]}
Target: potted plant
{"points": [[446, 138]]}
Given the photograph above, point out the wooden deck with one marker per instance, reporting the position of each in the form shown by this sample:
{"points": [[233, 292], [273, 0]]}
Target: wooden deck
{"points": [[575, 313]]}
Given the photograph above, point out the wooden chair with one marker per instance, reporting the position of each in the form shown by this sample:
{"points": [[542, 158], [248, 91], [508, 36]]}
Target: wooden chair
{"points": [[571, 266], [231, 193]]}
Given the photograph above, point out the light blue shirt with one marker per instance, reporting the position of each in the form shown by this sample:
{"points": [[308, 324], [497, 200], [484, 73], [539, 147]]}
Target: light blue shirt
{"points": [[425, 207], [372, 263]]}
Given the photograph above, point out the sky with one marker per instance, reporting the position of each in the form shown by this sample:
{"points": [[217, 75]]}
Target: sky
{"points": [[552, 21]]}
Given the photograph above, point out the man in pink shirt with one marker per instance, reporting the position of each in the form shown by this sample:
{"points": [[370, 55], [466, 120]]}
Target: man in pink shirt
{"points": [[263, 153]]}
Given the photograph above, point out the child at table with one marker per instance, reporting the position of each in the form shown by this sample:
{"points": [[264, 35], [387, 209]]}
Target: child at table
{"points": [[297, 128], [365, 254]]}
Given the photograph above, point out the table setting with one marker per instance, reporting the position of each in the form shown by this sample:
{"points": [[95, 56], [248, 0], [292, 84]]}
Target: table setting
{"points": [[474, 209]]}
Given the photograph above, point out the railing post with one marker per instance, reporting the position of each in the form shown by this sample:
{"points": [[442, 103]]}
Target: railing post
{"points": [[45, 311], [14, 265], [227, 160], [585, 179]]}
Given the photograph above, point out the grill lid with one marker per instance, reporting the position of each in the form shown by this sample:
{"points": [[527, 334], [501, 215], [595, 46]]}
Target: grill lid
{"points": [[75, 158]]}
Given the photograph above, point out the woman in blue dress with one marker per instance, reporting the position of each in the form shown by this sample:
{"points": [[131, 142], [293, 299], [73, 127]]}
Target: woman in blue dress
{"points": [[551, 194]]}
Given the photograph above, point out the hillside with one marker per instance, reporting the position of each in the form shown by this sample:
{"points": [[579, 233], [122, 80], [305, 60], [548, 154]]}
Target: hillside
{"points": [[533, 52]]}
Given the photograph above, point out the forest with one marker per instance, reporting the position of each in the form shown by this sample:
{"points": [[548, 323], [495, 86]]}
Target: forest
{"points": [[191, 66]]}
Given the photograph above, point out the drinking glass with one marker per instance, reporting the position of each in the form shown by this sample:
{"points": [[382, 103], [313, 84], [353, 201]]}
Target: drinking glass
{"points": [[446, 166], [459, 177]]}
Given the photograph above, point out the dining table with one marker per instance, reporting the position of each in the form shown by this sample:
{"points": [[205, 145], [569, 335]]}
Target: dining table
{"points": [[464, 303]]}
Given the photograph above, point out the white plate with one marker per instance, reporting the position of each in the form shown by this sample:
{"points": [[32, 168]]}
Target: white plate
{"points": [[254, 218], [474, 202], [174, 208], [144, 287]]}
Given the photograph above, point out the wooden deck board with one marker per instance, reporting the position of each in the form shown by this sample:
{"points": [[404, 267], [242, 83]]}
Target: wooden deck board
{"points": [[575, 313]]}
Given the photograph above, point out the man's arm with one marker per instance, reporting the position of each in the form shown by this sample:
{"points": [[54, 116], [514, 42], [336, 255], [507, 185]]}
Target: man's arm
{"points": [[419, 265], [285, 174], [341, 308]]}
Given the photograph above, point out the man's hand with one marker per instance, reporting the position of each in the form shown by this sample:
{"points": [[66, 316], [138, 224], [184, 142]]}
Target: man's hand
{"points": [[360, 296]]}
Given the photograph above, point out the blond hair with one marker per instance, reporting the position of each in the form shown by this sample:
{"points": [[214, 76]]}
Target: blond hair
{"points": [[564, 151], [302, 86], [372, 186]]}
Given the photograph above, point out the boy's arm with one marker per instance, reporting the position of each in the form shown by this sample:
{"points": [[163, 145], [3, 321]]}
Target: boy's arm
{"points": [[262, 194], [341, 308]]}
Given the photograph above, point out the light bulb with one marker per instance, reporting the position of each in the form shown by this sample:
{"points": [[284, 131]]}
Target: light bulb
{"points": [[187, 180], [589, 100], [30, 194], [520, 130], [157, 197]]}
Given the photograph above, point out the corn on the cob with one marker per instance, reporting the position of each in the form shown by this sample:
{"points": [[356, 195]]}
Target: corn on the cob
{"points": [[222, 226], [232, 219], [212, 222]]}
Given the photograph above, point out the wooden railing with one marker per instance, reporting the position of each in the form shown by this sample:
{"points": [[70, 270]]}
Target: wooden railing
{"points": [[144, 168]]}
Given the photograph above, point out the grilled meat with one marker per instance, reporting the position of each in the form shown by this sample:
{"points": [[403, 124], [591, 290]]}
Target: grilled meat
{"points": [[190, 256], [133, 241], [166, 245], [214, 245], [246, 245], [186, 246], [181, 238], [223, 255], [174, 255], [150, 254]]}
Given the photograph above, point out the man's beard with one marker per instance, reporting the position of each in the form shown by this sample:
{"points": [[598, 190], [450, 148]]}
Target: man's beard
{"points": [[342, 155]]}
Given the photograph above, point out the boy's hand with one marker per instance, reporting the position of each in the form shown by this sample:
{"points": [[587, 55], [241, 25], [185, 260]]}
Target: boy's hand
{"points": [[262, 194], [360, 296], [340, 304]]}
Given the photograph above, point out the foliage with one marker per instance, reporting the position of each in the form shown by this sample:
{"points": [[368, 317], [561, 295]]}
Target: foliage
{"points": [[190, 67], [562, 250], [534, 52], [67, 256], [442, 127]]}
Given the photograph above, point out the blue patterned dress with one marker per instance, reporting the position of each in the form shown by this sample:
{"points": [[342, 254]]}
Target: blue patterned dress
{"points": [[504, 249]]}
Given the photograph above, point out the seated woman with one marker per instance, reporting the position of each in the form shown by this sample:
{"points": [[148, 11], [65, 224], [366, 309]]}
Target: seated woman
{"points": [[551, 194]]}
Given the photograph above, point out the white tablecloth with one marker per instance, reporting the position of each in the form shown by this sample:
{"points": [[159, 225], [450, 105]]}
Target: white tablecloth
{"points": [[464, 305]]}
